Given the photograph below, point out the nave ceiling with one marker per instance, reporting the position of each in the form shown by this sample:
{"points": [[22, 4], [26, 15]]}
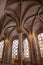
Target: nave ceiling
{"points": [[20, 15]]}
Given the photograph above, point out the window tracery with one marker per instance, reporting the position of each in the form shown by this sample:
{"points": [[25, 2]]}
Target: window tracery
{"points": [[15, 48], [1, 48], [40, 40], [26, 48]]}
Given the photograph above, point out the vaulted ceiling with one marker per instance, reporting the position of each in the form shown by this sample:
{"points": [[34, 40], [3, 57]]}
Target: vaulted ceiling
{"points": [[17, 15]]}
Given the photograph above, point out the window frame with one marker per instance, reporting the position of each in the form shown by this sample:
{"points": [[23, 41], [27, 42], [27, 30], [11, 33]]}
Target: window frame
{"points": [[28, 48], [40, 43], [2, 49], [16, 48]]}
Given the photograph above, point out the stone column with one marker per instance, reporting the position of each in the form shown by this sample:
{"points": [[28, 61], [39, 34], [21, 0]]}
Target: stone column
{"points": [[37, 51], [20, 48], [32, 58], [6, 52]]}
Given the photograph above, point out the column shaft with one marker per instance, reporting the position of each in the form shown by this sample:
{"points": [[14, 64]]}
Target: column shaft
{"points": [[20, 49]]}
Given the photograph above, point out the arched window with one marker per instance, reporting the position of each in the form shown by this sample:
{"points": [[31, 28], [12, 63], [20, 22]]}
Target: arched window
{"points": [[26, 48], [40, 40], [15, 48], [1, 48]]}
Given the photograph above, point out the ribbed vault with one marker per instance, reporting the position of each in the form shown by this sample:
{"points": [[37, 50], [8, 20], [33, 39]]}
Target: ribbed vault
{"points": [[20, 19], [20, 15]]}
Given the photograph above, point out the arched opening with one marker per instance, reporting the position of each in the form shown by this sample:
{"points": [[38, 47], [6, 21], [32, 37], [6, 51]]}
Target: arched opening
{"points": [[26, 48], [1, 49], [15, 49], [40, 41]]}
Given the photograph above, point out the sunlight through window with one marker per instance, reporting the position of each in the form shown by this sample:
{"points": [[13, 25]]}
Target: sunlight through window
{"points": [[1, 48], [15, 48], [40, 40], [26, 47]]}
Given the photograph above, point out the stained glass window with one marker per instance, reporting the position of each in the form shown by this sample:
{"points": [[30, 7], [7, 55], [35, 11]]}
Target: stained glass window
{"points": [[15, 48], [26, 47], [40, 40], [1, 48]]}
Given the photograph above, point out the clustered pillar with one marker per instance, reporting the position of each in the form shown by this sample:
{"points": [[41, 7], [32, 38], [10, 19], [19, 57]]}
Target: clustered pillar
{"points": [[20, 49], [37, 50], [32, 59], [6, 51]]}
